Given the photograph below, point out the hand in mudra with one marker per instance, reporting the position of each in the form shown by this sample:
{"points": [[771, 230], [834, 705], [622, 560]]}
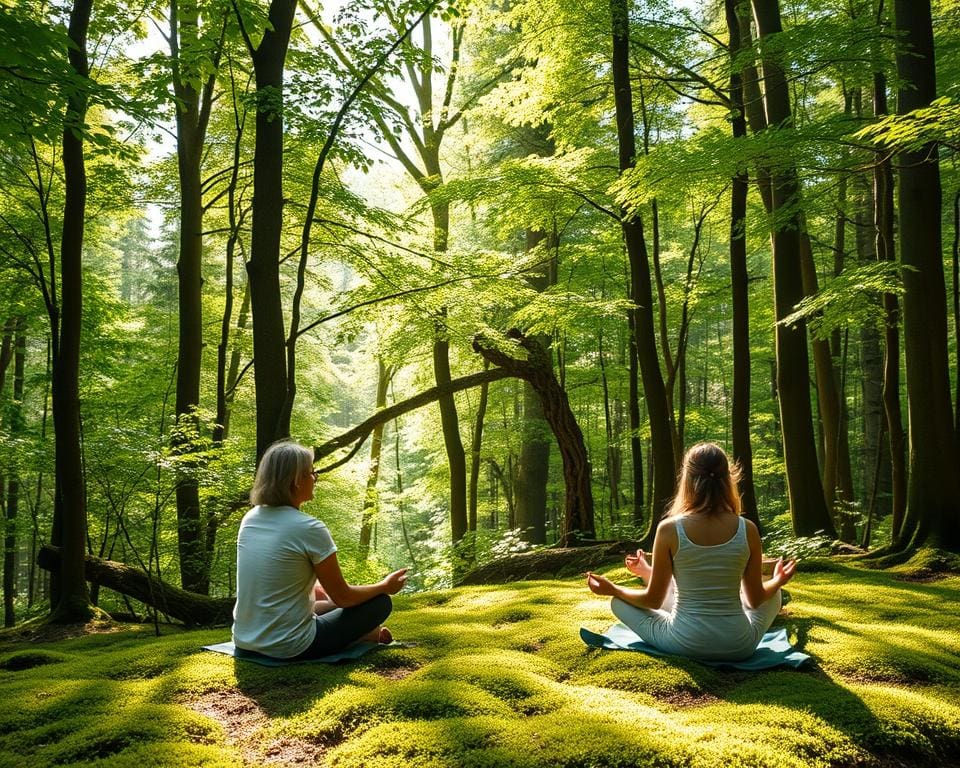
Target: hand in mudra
{"points": [[395, 581], [783, 570], [637, 565], [600, 585]]}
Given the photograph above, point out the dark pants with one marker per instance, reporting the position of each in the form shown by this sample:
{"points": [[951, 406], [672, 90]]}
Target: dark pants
{"points": [[341, 627]]}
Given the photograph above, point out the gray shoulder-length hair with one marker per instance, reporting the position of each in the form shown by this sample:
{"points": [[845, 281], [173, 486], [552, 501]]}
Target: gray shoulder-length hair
{"points": [[282, 465]]}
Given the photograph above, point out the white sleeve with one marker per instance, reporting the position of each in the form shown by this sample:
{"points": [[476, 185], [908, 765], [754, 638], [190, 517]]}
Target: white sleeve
{"points": [[318, 542]]}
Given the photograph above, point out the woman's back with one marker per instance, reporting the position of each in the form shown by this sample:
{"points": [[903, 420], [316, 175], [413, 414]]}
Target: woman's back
{"points": [[708, 575]]}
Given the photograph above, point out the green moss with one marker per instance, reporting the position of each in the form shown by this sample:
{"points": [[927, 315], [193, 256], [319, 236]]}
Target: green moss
{"points": [[499, 677], [15, 662]]}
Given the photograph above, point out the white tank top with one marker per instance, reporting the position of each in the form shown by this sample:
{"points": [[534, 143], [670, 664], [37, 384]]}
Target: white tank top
{"points": [[708, 577]]}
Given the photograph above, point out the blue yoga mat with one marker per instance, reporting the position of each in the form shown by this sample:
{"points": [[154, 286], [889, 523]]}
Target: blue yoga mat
{"points": [[774, 649], [354, 651]]}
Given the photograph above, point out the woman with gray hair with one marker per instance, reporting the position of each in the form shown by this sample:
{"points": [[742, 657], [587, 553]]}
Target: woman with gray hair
{"points": [[281, 555]]}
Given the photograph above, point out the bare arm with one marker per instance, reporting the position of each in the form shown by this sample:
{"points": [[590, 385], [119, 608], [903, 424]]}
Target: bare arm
{"points": [[755, 589], [664, 544], [346, 595]]}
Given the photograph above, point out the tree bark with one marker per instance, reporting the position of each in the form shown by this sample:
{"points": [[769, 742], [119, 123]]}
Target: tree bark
{"points": [[641, 293], [73, 602], [370, 502], [809, 509], [15, 426], [358, 434], [883, 216], [191, 608], [263, 268], [739, 284], [533, 464], [933, 492], [192, 107], [475, 459], [579, 512], [874, 457]]}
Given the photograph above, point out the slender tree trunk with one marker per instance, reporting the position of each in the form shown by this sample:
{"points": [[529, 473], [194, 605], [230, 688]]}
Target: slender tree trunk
{"points": [[641, 294], [263, 268], [612, 457], [956, 306], [192, 112], [883, 217], [809, 510], [844, 479], [450, 425], [370, 501], [633, 409], [740, 287], [15, 426], [533, 464], [475, 457], [73, 603], [874, 458], [933, 492]]}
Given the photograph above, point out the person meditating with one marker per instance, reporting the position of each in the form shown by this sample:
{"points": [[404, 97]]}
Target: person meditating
{"points": [[705, 596], [292, 599]]}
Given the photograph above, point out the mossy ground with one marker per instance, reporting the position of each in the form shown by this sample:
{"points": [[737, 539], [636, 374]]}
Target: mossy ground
{"points": [[499, 677]]}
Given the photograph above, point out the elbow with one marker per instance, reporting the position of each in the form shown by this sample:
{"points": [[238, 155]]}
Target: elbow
{"points": [[343, 599]]}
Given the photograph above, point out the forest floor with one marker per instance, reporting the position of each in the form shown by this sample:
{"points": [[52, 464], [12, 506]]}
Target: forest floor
{"points": [[499, 677]]}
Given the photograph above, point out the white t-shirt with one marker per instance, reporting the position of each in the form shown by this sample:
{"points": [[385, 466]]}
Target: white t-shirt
{"points": [[277, 548]]}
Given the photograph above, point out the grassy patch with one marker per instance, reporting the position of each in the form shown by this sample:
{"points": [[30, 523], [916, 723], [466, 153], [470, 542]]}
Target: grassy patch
{"points": [[499, 677]]}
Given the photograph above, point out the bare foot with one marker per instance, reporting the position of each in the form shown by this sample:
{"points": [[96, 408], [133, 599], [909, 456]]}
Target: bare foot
{"points": [[385, 637]]}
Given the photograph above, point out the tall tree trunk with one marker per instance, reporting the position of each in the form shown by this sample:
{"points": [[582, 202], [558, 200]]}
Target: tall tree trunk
{"points": [[844, 493], [533, 463], [633, 411], [933, 492], [641, 294], [809, 510], [192, 108], [475, 457], [874, 460], [450, 425], [370, 501], [263, 268], [883, 216], [73, 603], [739, 284], [612, 454], [956, 306], [12, 500]]}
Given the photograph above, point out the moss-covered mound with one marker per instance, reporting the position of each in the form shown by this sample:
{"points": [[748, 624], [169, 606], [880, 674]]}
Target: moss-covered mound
{"points": [[499, 677]]}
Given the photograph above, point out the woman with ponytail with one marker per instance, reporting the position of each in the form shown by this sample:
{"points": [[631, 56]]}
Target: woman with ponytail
{"points": [[705, 596]]}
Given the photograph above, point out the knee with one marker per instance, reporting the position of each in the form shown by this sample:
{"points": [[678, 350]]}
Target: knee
{"points": [[617, 606], [381, 606]]}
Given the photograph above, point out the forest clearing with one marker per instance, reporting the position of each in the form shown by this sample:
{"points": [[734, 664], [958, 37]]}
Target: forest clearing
{"points": [[478, 285], [499, 677]]}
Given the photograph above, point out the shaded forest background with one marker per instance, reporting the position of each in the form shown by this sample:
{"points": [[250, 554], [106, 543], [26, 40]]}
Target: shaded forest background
{"points": [[532, 249]]}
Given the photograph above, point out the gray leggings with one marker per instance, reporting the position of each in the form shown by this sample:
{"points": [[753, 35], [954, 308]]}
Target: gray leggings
{"points": [[710, 637], [341, 627]]}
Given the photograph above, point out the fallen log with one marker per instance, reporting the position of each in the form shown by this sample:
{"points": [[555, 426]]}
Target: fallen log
{"points": [[192, 609], [560, 562]]}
